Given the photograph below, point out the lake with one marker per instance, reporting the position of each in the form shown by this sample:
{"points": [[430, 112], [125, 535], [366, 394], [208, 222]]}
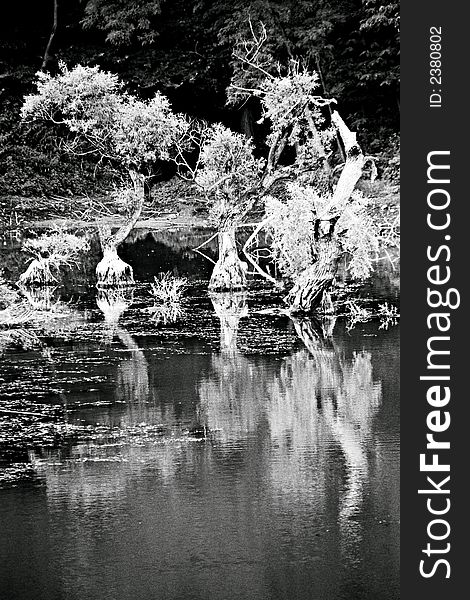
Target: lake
{"points": [[233, 454]]}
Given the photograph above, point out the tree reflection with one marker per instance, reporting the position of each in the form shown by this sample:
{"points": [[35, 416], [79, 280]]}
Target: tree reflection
{"points": [[317, 406], [132, 379], [230, 308], [347, 401], [293, 430], [231, 396]]}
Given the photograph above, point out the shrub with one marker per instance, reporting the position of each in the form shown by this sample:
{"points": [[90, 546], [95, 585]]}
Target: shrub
{"points": [[50, 251], [168, 289]]}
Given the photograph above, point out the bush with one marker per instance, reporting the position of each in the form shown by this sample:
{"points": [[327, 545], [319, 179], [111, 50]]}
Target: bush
{"points": [[168, 289], [51, 251]]}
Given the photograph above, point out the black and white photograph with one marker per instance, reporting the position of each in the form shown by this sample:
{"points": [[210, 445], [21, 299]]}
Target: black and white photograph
{"points": [[200, 300]]}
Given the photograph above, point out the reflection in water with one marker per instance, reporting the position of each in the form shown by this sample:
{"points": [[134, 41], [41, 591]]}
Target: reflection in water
{"points": [[132, 380], [280, 499], [41, 297], [113, 303], [230, 308], [349, 400], [166, 313], [232, 394], [316, 399]]}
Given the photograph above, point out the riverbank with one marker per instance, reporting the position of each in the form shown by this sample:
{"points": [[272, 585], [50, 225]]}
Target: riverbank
{"points": [[173, 203]]}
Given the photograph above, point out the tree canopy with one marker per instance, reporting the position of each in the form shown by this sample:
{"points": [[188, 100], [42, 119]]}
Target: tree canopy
{"points": [[184, 48]]}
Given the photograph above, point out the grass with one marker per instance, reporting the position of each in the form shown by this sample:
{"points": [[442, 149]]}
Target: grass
{"points": [[168, 292], [388, 314], [357, 314], [168, 289], [166, 313]]}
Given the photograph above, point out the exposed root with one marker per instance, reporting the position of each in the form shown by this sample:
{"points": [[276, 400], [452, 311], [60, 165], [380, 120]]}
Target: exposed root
{"points": [[39, 272], [229, 273], [112, 272]]}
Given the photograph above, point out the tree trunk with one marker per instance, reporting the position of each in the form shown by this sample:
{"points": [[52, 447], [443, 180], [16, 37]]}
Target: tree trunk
{"points": [[47, 51], [247, 121], [111, 271], [229, 273], [313, 284]]}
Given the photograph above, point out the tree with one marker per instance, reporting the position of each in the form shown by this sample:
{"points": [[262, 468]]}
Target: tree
{"points": [[322, 216], [123, 21], [230, 176], [113, 126], [352, 44], [47, 51]]}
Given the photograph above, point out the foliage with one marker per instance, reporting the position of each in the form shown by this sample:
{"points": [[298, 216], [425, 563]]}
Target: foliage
{"points": [[58, 246], [8, 295], [381, 20], [388, 160], [294, 225], [124, 198], [51, 252], [33, 172], [291, 231], [105, 120], [33, 165], [123, 21], [282, 95], [229, 172], [359, 235], [353, 44]]}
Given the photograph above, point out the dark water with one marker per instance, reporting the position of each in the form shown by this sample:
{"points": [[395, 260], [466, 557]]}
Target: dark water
{"points": [[234, 454]]}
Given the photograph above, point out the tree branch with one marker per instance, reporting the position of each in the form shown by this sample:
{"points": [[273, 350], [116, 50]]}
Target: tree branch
{"points": [[353, 166], [248, 243]]}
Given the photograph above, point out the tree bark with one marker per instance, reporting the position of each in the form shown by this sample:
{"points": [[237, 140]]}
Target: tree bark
{"points": [[246, 121], [308, 292], [229, 273]]}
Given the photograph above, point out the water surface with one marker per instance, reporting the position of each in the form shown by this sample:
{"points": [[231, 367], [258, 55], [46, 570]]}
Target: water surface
{"points": [[234, 454]]}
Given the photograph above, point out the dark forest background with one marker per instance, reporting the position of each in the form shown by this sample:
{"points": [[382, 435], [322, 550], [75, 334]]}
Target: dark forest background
{"points": [[183, 48]]}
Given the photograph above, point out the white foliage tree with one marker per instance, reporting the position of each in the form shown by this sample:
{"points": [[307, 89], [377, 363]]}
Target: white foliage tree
{"points": [[110, 124]]}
